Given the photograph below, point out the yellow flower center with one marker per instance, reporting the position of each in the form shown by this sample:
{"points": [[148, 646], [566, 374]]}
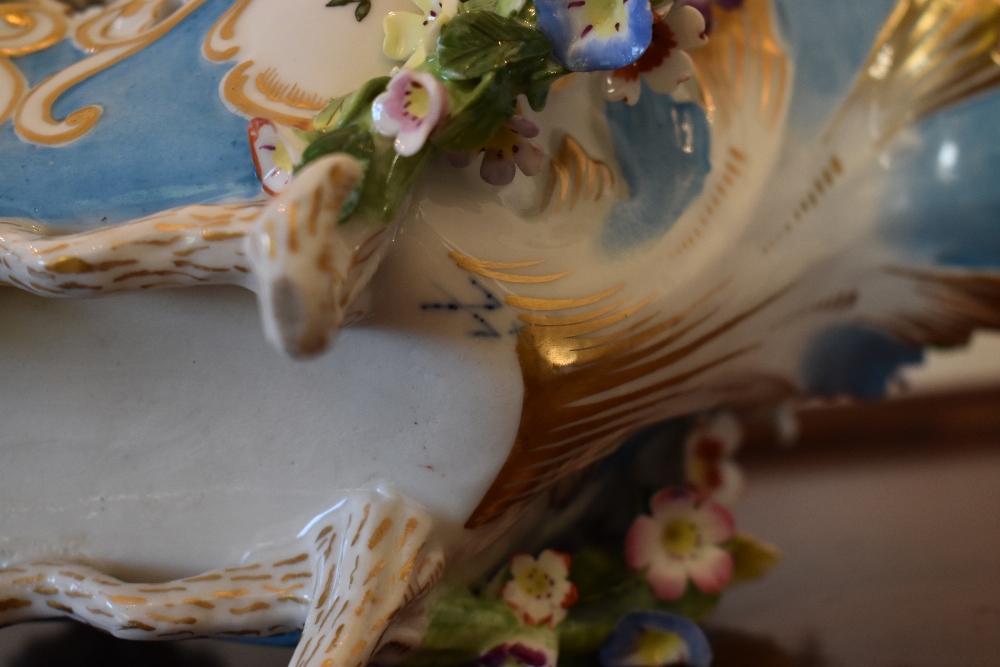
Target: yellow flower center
{"points": [[533, 581], [502, 144], [680, 537], [418, 100], [658, 647], [606, 16]]}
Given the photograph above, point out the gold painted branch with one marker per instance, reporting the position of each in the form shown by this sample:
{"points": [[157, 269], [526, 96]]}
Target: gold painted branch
{"points": [[349, 583], [307, 269]]}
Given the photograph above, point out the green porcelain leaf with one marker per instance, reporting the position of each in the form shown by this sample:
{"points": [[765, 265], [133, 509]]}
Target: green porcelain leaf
{"points": [[474, 44], [478, 111]]}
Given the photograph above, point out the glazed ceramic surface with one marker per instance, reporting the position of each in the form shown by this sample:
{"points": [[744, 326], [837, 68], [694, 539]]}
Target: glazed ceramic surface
{"points": [[801, 217]]}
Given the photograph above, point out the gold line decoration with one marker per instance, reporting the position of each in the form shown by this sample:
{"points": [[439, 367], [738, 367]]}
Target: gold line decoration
{"points": [[593, 377], [114, 34], [743, 57], [27, 27], [959, 302], [732, 171], [223, 31], [270, 84], [930, 55], [488, 269], [234, 88], [575, 174]]}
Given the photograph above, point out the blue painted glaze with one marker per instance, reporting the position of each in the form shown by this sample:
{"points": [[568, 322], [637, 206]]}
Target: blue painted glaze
{"points": [[856, 360], [828, 42], [37, 66], [165, 138], [942, 204], [662, 148]]}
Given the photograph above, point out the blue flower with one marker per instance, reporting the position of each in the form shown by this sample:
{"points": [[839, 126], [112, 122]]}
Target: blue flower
{"points": [[656, 639], [589, 35]]}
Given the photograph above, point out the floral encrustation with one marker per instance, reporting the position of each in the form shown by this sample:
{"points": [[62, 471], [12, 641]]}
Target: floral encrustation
{"points": [[681, 539], [518, 653], [410, 108], [665, 64], [468, 66], [592, 35], [540, 591]]}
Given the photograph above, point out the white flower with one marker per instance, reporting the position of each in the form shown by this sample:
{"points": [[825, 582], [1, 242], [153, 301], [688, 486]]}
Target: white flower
{"points": [[664, 65], [540, 591]]}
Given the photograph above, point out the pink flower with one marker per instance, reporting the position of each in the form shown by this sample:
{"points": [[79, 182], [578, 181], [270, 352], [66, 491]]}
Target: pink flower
{"points": [[507, 151], [410, 108], [540, 591], [680, 540], [709, 451], [664, 65]]}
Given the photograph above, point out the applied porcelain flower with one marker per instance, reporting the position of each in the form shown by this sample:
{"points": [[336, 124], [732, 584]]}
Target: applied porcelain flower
{"points": [[708, 458], [510, 149], [540, 591], [270, 157], [409, 109], [664, 65], [656, 639], [679, 541], [406, 32], [518, 654], [590, 35]]}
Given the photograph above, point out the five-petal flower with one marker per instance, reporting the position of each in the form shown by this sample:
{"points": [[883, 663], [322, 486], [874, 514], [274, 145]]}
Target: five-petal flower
{"points": [[510, 149], [590, 35], [656, 639], [409, 109], [664, 65], [540, 591], [680, 540]]}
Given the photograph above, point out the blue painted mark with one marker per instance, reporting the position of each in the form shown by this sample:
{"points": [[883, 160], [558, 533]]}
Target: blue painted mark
{"points": [[942, 202], [828, 42], [165, 138], [855, 360], [662, 148], [39, 65]]}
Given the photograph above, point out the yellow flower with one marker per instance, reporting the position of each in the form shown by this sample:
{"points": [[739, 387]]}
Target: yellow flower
{"points": [[406, 33]]}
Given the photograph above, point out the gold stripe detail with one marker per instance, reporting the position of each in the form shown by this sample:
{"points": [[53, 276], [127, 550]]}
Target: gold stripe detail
{"points": [[225, 29], [483, 268], [270, 84], [256, 606], [186, 620], [379, 533], [233, 89], [125, 599], [300, 557]]}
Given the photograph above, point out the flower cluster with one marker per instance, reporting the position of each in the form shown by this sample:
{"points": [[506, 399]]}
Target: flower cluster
{"points": [[656, 639]]}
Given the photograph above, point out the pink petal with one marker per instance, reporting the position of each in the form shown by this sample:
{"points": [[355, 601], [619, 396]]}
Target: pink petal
{"points": [[673, 500], [522, 126], [641, 542], [712, 569], [497, 172], [529, 157], [668, 579], [715, 523]]}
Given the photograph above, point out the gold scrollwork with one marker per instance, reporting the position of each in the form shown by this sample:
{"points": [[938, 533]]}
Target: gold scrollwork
{"points": [[114, 34], [25, 27]]}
